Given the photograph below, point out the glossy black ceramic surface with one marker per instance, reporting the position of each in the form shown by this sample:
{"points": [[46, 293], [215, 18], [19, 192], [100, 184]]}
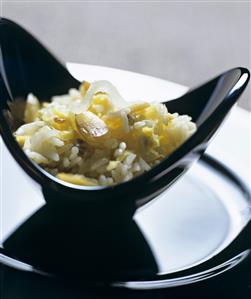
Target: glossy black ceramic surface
{"points": [[106, 212], [16, 284], [94, 250], [26, 66]]}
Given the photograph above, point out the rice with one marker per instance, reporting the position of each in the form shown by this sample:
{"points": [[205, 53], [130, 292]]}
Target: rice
{"points": [[91, 137]]}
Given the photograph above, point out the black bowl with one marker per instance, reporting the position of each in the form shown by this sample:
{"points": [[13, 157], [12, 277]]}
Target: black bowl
{"points": [[74, 216], [26, 66]]}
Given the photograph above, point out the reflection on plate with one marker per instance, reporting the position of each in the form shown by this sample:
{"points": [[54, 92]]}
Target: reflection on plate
{"points": [[197, 229]]}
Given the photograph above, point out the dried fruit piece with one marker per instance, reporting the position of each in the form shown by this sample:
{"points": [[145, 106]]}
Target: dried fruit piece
{"points": [[90, 126]]}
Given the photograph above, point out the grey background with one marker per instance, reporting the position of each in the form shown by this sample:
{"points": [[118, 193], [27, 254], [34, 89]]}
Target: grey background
{"points": [[186, 42]]}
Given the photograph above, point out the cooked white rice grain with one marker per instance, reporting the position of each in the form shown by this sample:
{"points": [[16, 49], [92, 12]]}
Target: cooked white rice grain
{"points": [[137, 137]]}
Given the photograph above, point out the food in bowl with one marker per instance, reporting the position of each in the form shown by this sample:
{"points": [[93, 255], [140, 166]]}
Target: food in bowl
{"points": [[91, 136]]}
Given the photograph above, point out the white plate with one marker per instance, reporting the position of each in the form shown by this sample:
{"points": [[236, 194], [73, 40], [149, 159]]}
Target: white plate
{"points": [[192, 222]]}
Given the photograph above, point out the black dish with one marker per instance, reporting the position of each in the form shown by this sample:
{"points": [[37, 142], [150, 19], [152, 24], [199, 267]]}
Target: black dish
{"points": [[26, 66]]}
